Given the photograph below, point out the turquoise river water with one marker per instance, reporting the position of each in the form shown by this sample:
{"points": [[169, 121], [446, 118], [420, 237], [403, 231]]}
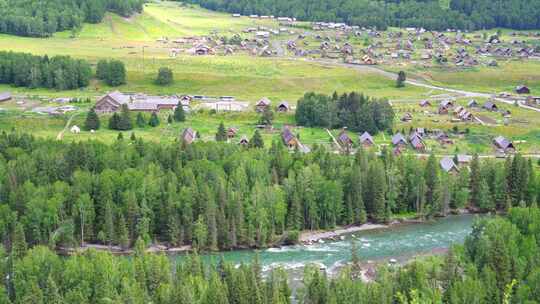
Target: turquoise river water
{"points": [[400, 242]]}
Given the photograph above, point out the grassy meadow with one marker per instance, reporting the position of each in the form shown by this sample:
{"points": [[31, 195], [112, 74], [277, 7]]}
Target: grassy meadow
{"points": [[135, 41]]}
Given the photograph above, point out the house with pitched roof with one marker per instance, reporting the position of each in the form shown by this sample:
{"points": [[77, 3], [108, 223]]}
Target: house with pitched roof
{"points": [[448, 165], [399, 140], [262, 104], [188, 136], [344, 140], [366, 140], [503, 144]]}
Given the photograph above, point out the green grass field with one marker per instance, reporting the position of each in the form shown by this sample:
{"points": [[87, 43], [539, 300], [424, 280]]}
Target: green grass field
{"points": [[249, 78]]}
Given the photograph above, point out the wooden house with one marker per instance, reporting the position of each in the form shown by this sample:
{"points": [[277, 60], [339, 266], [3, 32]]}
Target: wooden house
{"points": [[344, 140], [425, 103], [399, 140], [262, 104], [448, 165], [503, 144], [188, 136], [366, 140], [417, 141], [288, 138], [472, 103], [463, 159], [111, 102], [283, 107], [407, 117], [521, 89], [244, 141], [231, 132], [490, 106]]}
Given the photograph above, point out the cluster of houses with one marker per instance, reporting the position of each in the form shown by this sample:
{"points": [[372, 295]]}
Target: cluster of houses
{"points": [[416, 45], [112, 102], [460, 113], [264, 103]]}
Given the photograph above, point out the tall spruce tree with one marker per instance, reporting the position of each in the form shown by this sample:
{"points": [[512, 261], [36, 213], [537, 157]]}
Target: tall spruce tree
{"points": [[179, 113], [92, 120], [221, 134]]}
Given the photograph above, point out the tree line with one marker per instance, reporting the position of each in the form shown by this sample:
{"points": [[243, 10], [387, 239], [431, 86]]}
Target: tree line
{"points": [[37, 18], [499, 263], [461, 14], [39, 275], [221, 196], [355, 111], [58, 72]]}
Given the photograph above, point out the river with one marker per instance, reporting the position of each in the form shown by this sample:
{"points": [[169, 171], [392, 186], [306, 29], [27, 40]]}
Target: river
{"points": [[400, 242]]}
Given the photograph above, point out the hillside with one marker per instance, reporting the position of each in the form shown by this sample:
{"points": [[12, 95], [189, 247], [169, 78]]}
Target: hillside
{"points": [[431, 14], [36, 18]]}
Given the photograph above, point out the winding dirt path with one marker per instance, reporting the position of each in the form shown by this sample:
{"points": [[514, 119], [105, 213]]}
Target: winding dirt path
{"points": [[60, 135]]}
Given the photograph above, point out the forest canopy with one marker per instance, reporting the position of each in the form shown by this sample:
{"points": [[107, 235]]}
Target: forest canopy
{"points": [[221, 196], [462, 14], [58, 72], [354, 111], [38, 18]]}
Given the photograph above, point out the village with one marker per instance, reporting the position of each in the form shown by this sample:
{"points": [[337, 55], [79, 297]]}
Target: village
{"points": [[418, 141]]}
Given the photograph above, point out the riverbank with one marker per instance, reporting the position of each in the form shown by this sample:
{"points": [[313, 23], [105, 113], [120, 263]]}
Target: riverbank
{"points": [[310, 237]]}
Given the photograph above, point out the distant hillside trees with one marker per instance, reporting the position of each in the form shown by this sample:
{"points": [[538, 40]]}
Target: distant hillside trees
{"points": [[38, 18], [58, 72], [113, 72], [463, 14], [354, 111]]}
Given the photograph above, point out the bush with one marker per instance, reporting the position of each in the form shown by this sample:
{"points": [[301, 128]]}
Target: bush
{"points": [[165, 76]]}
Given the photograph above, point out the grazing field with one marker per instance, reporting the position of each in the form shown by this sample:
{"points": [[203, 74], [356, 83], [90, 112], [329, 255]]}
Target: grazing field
{"points": [[503, 78]]}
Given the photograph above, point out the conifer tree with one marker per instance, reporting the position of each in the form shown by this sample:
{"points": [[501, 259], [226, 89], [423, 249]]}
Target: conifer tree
{"points": [[114, 121], [154, 120], [179, 113], [475, 181], [256, 141], [221, 134], [140, 121], [18, 247], [124, 123], [92, 120]]}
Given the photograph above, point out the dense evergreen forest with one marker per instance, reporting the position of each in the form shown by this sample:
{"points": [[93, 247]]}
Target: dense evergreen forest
{"points": [[58, 72], [355, 111], [38, 18], [499, 263], [65, 193], [462, 14]]}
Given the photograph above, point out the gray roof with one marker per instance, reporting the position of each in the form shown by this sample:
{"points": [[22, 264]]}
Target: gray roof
{"points": [[417, 142], [489, 105], [119, 97], [398, 139], [462, 158], [344, 138], [366, 137], [142, 106], [447, 103], [5, 96], [447, 164], [264, 102], [287, 135], [502, 142]]}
